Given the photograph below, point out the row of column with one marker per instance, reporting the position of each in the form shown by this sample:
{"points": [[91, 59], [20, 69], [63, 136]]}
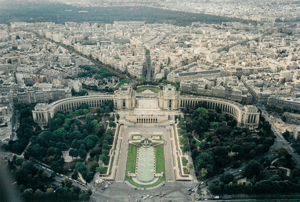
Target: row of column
{"points": [[74, 105], [211, 105], [40, 117], [224, 107], [146, 120], [188, 103], [252, 118]]}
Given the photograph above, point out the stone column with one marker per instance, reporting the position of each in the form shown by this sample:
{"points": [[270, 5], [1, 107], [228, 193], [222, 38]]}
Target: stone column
{"points": [[34, 116]]}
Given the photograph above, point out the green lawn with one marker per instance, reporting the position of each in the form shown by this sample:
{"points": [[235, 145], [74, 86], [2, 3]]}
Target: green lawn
{"points": [[181, 131], [183, 141], [143, 88], [184, 161], [186, 171], [160, 159], [131, 159]]}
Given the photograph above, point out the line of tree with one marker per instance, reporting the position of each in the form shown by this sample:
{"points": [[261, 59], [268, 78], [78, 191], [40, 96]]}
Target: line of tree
{"points": [[153, 81]]}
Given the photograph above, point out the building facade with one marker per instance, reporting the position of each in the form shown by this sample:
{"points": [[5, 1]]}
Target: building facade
{"points": [[168, 99]]}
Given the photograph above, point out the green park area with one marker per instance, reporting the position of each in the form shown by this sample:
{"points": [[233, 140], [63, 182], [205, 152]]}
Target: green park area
{"points": [[152, 88], [73, 134]]}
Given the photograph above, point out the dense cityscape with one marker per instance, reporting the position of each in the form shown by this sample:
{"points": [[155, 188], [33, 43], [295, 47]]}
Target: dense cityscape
{"points": [[134, 111]]}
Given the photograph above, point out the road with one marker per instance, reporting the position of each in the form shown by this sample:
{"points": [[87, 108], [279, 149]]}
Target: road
{"points": [[148, 64], [119, 192], [279, 136]]}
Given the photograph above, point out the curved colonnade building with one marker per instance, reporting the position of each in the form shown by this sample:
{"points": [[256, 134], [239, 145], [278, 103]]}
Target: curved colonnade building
{"points": [[125, 98]]}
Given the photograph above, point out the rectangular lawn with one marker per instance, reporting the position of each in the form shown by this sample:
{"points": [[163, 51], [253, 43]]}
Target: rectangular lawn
{"points": [[131, 159], [160, 159]]}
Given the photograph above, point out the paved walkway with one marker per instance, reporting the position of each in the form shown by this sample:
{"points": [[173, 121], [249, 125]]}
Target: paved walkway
{"points": [[121, 167], [177, 154], [169, 166], [116, 153]]}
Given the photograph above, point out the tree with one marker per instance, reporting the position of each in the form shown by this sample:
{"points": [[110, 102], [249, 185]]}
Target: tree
{"points": [[60, 134], [54, 151], [236, 148], [79, 167], [203, 172], [266, 127], [19, 161], [74, 143], [62, 146], [201, 125], [202, 112], [253, 168], [38, 194], [89, 177], [101, 170], [73, 153], [82, 93], [82, 153], [76, 190], [84, 197], [67, 183], [227, 178], [112, 124], [214, 189], [76, 135], [57, 166], [27, 194], [104, 159], [50, 191], [194, 154], [109, 138]]}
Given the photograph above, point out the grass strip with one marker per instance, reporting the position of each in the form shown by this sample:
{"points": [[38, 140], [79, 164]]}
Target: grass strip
{"points": [[160, 159], [131, 159]]}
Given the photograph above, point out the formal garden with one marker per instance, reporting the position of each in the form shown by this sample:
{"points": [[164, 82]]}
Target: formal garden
{"points": [[132, 165]]}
